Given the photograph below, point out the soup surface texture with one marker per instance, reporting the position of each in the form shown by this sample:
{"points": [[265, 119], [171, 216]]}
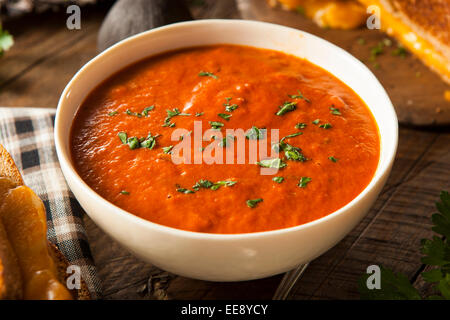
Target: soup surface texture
{"points": [[121, 140]]}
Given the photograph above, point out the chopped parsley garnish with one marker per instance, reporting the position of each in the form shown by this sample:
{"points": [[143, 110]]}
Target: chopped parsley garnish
{"points": [[291, 136], [173, 113], [400, 51], [216, 125], [125, 193], [202, 184], [144, 112], [230, 107], [167, 149], [333, 159], [225, 116], [300, 125], [299, 96], [198, 114], [130, 113], [278, 179], [361, 41], [225, 183], [286, 107], [185, 191], [316, 121], [254, 134], [133, 143], [112, 113], [206, 184], [224, 141], [207, 74], [326, 126], [290, 152], [276, 163], [253, 202], [148, 142], [376, 51], [335, 111], [304, 181]]}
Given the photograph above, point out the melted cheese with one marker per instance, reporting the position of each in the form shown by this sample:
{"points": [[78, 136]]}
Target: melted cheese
{"points": [[416, 44], [335, 14]]}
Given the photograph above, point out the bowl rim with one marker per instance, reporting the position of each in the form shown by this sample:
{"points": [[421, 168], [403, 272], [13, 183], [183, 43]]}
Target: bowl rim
{"points": [[67, 166]]}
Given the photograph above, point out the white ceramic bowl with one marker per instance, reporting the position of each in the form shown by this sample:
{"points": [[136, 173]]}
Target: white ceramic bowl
{"points": [[233, 257]]}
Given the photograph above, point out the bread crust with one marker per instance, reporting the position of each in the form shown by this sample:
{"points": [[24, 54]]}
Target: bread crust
{"points": [[11, 283], [10, 277], [430, 19], [8, 168]]}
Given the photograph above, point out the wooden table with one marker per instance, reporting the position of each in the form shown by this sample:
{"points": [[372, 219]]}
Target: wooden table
{"points": [[46, 55]]}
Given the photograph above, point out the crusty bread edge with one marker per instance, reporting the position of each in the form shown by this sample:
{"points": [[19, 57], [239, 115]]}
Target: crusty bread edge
{"points": [[8, 169], [61, 266], [420, 31]]}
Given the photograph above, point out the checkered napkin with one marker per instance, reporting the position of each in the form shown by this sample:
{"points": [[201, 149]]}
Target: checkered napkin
{"points": [[27, 133]]}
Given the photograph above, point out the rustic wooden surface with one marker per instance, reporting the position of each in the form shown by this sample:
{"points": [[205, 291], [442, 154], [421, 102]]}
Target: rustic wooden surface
{"points": [[44, 58]]}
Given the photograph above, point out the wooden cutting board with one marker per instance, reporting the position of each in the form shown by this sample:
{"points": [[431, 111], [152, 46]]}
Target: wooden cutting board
{"points": [[416, 92]]}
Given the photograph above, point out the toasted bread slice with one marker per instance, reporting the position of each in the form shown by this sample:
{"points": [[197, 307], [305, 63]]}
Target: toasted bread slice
{"points": [[422, 26], [10, 277], [8, 168], [30, 266]]}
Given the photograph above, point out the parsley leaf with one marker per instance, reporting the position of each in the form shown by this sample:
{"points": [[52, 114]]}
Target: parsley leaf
{"points": [[255, 134], [167, 149], [216, 125], [276, 163], [326, 126], [206, 184], [304, 182], [299, 96], [207, 74], [230, 107], [173, 113], [335, 111], [286, 107], [300, 125], [253, 202], [225, 116], [148, 142], [278, 179], [291, 136], [436, 254], [290, 152], [333, 159]]}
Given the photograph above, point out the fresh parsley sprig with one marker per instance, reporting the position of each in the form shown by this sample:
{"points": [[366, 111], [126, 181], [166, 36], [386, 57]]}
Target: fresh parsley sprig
{"points": [[436, 255]]}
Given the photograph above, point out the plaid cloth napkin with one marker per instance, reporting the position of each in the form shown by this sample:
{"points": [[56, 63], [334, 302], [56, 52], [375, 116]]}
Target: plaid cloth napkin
{"points": [[27, 133]]}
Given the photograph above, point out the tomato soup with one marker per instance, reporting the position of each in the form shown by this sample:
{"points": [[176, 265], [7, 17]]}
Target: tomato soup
{"points": [[328, 149]]}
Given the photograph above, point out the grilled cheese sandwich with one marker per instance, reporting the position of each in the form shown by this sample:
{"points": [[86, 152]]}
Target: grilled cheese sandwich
{"points": [[335, 14], [422, 26]]}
